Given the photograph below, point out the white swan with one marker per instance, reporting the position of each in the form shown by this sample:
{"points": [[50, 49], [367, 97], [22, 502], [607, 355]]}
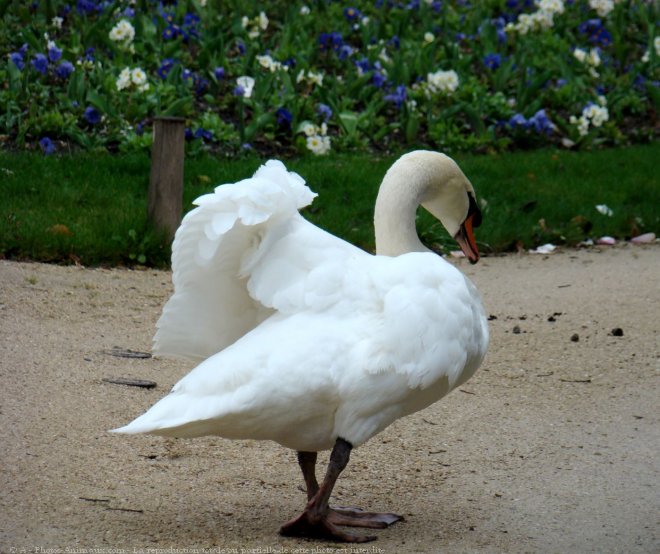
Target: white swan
{"points": [[308, 340]]}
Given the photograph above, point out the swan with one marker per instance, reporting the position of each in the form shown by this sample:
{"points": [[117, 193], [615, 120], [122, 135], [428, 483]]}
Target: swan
{"points": [[307, 340]]}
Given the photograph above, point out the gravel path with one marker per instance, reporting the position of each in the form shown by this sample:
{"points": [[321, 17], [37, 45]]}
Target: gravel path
{"points": [[551, 447]]}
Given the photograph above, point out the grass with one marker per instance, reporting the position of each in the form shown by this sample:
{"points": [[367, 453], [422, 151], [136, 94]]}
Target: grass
{"points": [[91, 209]]}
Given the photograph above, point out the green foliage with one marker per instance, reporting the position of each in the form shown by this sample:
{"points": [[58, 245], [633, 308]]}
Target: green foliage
{"points": [[91, 209], [374, 68]]}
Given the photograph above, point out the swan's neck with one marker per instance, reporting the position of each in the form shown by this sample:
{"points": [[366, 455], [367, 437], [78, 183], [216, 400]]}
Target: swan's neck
{"points": [[396, 209]]}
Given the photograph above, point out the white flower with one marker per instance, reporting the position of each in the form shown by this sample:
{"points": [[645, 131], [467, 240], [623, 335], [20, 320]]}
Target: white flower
{"points": [[304, 10], [443, 81], [311, 77], [318, 145], [605, 210], [602, 7], [138, 76], [266, 61], [315, 78], [428, 37], [594, 57], [262, 21], [124, 80], [57, 22], [551, 6], [309, 129], [202, 3], [123, 32], [580, 55], [247, 84], [543, 18]]}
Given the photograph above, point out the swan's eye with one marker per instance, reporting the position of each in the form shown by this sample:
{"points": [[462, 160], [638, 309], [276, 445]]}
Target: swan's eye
{"points": [[474, 211]]}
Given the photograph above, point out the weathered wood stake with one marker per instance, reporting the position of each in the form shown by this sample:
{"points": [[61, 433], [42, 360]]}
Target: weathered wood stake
{"points": [[165, 199]]}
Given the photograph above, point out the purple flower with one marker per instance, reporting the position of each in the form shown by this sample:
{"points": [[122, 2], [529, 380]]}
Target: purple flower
{"points": [[351, 14], [64, 70], [47, 146], [345, 51], [284, 117], [398, 97], [518, 120], [165, 68], [492, 61], [219, 73], [394, 42], [596, 32], [40, 63], [92, 115], [378, 79], [363, 65], [204, 134], [54, 54], [239, 91], [324, 111], [17, 60], [330, 41], [541, 123]]}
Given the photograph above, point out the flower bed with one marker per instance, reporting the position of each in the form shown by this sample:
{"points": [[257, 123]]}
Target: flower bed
{"points": [[317, 77]]}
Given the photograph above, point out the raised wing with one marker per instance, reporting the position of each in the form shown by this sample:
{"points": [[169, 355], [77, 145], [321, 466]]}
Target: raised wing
{"points": [[214, 251]]}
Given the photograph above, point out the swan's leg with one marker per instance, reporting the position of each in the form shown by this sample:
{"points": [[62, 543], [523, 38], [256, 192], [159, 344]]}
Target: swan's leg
{"points": [[315, 521], [307, 462]]}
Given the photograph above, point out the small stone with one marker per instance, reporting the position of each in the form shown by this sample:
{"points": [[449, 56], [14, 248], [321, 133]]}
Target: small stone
{"points": [[617, 332], [516, 330], [575, 337]]}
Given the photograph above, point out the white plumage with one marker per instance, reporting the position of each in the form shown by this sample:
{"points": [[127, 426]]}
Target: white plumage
{"points": [[306, 339]]}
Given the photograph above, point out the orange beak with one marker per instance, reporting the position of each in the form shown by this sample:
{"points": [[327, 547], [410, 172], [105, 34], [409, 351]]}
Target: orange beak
{"points": [[465, 239]]}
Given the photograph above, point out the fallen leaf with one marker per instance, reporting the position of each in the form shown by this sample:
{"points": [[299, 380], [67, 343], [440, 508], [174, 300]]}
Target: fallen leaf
{"points": [[59, 229]]}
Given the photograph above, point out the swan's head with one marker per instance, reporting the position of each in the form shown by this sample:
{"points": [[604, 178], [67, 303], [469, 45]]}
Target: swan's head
{"points": [[442, 188]]}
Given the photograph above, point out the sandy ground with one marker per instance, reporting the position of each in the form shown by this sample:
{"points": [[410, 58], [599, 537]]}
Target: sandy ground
{"points": [[551, 447]]}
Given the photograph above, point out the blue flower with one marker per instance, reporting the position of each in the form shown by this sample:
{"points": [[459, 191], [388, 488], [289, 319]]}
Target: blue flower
{"points": [[492, 61], [394, 42], [436, 6], [541, 123], [92, 115], [54, 54], [596, 32], [165, 68], [239, 91], [345, 51], [398, 97], [351, 14], [47, 146], [324, 111], [40, 63], [330, 41], [64, 70], [204, 134], [363, 65], [284, 117], [518, 120], [378, 79], [219, 73], [17, 60]]}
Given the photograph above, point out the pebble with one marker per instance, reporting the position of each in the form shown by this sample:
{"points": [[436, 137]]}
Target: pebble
{"points": [[617, 332], [575, 337]]}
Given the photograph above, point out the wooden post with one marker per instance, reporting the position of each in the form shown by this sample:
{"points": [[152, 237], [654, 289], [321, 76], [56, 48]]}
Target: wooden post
{"points": [[165, 199]]}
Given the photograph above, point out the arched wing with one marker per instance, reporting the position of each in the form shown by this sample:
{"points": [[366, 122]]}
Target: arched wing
{"points": [[211, 306]]}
